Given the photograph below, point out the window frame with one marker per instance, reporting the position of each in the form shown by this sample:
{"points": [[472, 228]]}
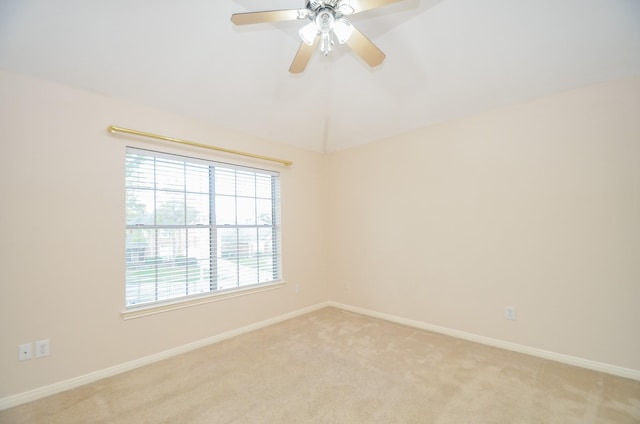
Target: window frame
{"points": [[216, 291]]}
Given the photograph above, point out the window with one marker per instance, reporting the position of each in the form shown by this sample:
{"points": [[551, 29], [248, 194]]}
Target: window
{"points": [[196, 226]]}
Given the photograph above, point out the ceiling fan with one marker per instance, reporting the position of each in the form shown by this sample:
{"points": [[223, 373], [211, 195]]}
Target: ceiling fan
{"points": [[327, 24]]}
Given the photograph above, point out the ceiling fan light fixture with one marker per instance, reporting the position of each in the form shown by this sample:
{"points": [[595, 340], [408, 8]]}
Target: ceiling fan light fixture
{"points": [[308, 33], [343, 30]]}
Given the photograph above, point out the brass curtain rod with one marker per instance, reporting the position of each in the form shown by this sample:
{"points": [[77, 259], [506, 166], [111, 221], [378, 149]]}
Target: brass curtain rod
{"points": [[113, 129]]}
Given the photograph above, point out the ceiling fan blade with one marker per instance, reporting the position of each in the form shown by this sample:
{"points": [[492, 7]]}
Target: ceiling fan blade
{"points": [[267, 16], [368, 51], [362, 5], [302, 57]]}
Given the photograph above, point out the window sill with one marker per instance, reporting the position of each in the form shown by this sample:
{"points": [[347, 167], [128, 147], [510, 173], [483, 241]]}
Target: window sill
{"points": [[143, 311]]}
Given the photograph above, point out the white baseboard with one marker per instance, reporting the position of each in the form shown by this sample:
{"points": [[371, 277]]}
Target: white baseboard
{"points": [[52, 389], [553, 356]]}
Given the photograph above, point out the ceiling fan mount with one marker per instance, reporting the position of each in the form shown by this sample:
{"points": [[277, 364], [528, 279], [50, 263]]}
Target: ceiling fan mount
{"points": [[327, 24]]}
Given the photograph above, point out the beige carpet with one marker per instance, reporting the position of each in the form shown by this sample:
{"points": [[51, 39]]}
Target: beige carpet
{"points": [[333, 366]]}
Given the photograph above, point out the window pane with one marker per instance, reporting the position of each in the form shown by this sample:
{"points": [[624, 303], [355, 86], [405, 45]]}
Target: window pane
{"points": [[246, 211], [246, 184], [227, 258], [172, 243], [140, 171], [170, 208], [227, 243], [247, 239], [247, 256], [172, 265], [225, 181], [198, 260], [265, 255], [197, 178], [197, 209], [141, 266], [169, 175], [140, 207], [263, 186], [225, 210], [264, 210], [170, 275]]}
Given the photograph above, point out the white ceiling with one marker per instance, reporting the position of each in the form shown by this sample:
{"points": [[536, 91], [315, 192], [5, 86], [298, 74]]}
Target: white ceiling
{"points": [[445, 59]]}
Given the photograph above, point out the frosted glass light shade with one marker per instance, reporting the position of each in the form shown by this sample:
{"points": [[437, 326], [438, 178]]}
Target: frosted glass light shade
{"points": [[342, 30], [308, 33]]}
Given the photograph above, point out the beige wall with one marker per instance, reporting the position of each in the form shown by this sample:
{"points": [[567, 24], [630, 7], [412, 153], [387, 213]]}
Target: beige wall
{"points": [[62, 234], [535, 206]]}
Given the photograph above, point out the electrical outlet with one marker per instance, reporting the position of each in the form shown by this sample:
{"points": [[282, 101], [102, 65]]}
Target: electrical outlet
{"points": [[24, 352], [297, 288], [42, 348], [510, 312]]}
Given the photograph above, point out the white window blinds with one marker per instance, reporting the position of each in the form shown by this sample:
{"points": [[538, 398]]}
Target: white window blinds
{"points": [[196, 226]]}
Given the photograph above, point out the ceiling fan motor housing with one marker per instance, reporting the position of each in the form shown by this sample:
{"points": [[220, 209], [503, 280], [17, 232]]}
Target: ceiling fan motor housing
{"points": [[315, 4], [325, 20]]}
